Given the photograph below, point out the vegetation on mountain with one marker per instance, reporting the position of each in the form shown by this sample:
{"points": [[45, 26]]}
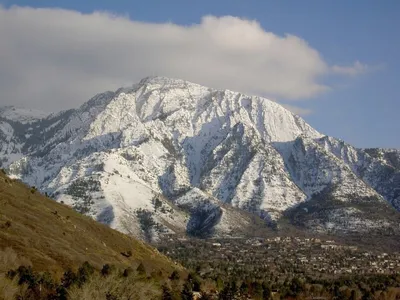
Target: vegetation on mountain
{"points": [[50, 251]]}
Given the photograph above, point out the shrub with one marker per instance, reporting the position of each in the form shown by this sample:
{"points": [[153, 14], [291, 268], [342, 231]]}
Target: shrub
{"points": [[127, 272], [175, 275], [69, 279], [84, 272], [141, 269], [61, 293], [156, 202], [11, 274], [7, 224], [146, 222], [166, 293], [187, 292], [47, 281], [27, 276], [111, 296], [195, 281], [107, 270]]}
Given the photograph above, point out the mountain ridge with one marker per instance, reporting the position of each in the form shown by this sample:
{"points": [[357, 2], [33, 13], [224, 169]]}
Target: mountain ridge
{"points": [[168, 138]]}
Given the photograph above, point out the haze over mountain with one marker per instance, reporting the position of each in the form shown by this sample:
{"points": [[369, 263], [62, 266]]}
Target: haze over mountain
{"points": [[170, 156]]}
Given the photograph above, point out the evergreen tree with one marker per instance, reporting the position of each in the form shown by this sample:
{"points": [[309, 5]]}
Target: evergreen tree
{"points": [[257, 289], [368, 295], [266, 291], [187, 293], [68, 279], [233, 287], [195, 281], [244, 288], [84, 272], [296, 286], [175, 275], [166, 293], [226, 293]]}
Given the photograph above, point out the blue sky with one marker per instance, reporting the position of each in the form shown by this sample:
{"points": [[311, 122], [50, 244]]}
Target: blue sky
{"points": [[362, 109]]}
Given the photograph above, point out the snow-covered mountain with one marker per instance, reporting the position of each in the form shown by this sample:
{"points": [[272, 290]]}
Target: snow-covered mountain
{"points": [[21, 115], [14, 130], [167, 155]]}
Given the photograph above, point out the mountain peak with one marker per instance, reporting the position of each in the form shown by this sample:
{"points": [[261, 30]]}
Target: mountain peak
{"points": [[189, 107], [159, 79], [181, 154]]}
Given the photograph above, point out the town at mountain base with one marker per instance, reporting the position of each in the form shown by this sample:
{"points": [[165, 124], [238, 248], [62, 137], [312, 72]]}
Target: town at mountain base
{"points": [[49, 251]]}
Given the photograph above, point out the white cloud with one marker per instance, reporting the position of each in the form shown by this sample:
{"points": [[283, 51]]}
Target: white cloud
{"points": [[55, 59], [356, 69]]}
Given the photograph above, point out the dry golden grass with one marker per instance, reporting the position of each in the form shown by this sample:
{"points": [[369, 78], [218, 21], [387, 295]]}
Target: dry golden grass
{"points": [[122, 288], [391, 294], [9, 289], [135, 286], [52, 237], [10, 260]]}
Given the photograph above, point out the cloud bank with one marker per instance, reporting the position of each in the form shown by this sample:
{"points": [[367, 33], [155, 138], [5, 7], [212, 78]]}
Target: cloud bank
{"points": [[55, 59]]}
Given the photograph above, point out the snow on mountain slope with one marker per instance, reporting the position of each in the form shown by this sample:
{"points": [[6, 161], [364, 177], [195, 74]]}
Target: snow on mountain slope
{"points": [[166, 155], [339, 197], [10, 145], [390, 157], [265, 187], [313, 169], [21, 115], [358, 214], [379, 168]]}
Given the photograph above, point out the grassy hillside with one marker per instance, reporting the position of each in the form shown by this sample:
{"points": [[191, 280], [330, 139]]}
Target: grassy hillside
{"points": [[50, 237], [54, 237]]}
